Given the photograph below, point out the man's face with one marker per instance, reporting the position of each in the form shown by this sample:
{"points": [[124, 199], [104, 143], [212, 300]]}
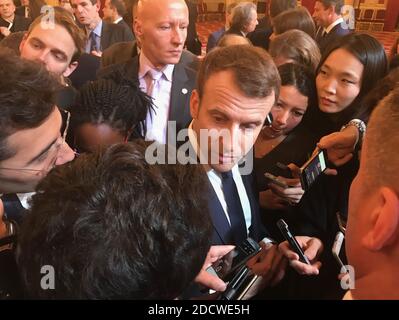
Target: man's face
{"points": [[321, 15], [7, 9], [37, 151], [54, 47], [108, 11], [85, 12], [162, 35], [235, 116], [90, 137]]}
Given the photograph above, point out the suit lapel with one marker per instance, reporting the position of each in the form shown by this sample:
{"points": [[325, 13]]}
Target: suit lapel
{"points": [[105, 36], [219, 219], [246, 179], [179, 94]]}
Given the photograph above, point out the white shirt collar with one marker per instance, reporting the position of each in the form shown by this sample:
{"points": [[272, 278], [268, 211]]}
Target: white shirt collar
{"points": [[332, 25], [97, 29], [118, 20], [24, 198]]}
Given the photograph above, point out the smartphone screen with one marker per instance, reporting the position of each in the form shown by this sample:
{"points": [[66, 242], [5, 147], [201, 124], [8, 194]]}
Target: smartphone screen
{"points": [[225, 266], [312, 169]]}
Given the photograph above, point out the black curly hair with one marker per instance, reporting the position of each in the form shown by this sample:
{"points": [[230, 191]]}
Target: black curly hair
{"points": [[122, 106]]}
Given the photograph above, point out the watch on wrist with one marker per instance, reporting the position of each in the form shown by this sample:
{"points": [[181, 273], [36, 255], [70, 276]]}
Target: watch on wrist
{"points": [[360, 126]]}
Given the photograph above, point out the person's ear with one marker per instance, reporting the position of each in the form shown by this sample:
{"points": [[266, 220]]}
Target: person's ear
{"points": [[138, 28], [194, 104], [71, 68], [331, 10], [98, 6], [22, 44], [384, 220]]}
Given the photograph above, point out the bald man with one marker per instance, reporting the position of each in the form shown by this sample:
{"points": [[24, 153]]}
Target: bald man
{"points": [[372, 242], [158, 68]]}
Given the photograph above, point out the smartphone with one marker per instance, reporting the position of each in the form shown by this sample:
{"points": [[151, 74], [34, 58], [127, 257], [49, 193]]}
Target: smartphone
{"points": [[225, 267], [336, 249], [247, 284], [282, 225], [312, 169], [273, 179], [236, 285]]}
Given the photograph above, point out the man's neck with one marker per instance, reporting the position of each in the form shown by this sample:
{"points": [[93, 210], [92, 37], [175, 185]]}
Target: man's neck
{"points": [[158, 67], [334, 18], [94, 24], [382, 284], [10, 19]]}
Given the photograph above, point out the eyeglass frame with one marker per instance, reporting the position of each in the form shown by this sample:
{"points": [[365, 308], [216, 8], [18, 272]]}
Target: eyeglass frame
{"points": [[59, 145]]}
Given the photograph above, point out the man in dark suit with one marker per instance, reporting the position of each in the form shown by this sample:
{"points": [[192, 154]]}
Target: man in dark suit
{"points": [[113, 12], [237, 87], [161, 50], [215, 36], [9, 21], [327, 15], [100, 34], [23, 9]]}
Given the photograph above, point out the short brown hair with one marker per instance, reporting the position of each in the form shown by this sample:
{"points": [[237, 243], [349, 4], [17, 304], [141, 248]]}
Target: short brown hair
{"points": [[298, 18], [254, 70], [279, 6], [120, 6], [337, 4], [382, 141], [65, 19]]}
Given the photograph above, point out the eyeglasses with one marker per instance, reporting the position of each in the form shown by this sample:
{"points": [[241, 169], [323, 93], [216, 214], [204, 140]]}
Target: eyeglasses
{"points": [[66, 117]]}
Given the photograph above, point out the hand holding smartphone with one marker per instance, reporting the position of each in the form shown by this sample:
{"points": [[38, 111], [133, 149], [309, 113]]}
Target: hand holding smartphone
{"points": [[282, 225], [312, 169], [226, 266]]}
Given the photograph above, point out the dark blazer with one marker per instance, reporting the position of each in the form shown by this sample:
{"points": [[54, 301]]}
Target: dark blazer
{"points": [[213, 39], [20, 11], [13, 208], [183, 82], [222, 231], [86, 70], [337, 32], [113, 33], [128, 28], [119, 53], [19, 24], [260, 36]]}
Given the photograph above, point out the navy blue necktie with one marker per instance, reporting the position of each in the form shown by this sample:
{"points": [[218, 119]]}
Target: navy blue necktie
{"points": [[234, 208], [13, 208], [93, 43]]}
